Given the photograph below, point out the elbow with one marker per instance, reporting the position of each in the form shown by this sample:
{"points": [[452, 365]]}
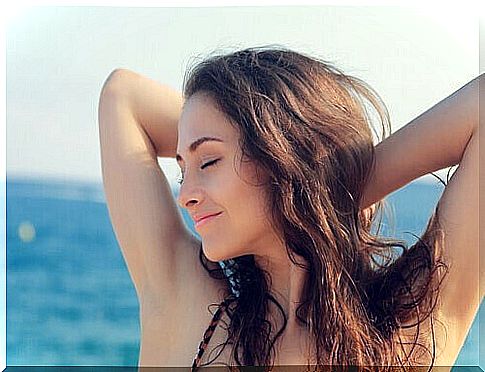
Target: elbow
{"points": [[113, 90], [115, 81], [117, 74]]}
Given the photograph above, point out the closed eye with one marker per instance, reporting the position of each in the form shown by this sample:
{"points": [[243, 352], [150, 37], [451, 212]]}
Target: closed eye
{"points": [[208, 164], [203, 166]]}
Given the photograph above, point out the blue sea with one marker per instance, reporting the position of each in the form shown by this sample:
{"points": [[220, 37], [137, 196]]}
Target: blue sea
{"points": [[70, 300]]}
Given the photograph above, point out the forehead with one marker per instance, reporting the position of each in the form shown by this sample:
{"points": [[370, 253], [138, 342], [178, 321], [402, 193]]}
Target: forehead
{"points": [[201, 118]]}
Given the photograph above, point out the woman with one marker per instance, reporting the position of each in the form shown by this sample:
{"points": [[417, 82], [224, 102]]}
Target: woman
{"points": [[277, 147]]}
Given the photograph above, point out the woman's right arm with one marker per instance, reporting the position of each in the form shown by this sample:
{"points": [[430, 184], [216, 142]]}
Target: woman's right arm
{"points": [[138, 120], [155, 107]]}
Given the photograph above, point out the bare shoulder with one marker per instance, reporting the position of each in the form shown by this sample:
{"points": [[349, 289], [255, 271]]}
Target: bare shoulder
{"points": [[171, 328]]}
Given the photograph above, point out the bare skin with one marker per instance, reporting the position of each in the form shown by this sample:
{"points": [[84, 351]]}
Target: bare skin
{"points": [[139, 121]]}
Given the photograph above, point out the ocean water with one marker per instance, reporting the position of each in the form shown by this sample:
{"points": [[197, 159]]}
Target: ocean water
{"points": [[70, 300]]}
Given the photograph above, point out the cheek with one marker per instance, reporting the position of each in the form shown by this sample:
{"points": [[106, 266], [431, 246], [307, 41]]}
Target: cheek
{"points": [[243, 196], [255, 191], [249, 213]]}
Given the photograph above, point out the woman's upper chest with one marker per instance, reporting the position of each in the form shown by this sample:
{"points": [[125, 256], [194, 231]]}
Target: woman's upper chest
{"points": [[289, 350], [173, 339], [177, 343]]}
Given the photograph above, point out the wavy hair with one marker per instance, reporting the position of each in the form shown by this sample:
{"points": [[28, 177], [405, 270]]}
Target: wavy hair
{"points": [[309, 127]]}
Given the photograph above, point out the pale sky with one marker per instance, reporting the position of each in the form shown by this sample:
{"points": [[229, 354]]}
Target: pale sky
{"points": [[57, 59]]}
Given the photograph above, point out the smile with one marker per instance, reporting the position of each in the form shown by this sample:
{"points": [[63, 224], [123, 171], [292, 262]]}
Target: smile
{"points": [[206, 220]]}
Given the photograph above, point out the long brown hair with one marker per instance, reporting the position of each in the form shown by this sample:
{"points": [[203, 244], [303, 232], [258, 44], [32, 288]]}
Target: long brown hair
{"points": [[310, 128]]}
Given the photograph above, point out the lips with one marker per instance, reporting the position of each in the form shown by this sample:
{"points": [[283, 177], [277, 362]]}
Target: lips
{"points": [[205, 218]]}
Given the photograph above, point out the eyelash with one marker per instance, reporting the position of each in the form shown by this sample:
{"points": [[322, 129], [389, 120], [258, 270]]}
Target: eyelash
{"points": [[203, 166]]}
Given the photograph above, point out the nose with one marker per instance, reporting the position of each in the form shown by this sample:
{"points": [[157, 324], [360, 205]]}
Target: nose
{"points": [[189, 195]]}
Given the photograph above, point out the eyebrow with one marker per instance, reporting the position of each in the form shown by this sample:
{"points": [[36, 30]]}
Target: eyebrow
{"points": [[193, 146]]}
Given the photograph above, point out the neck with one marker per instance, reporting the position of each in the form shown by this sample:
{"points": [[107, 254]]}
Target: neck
{"points": [[287, 282]]}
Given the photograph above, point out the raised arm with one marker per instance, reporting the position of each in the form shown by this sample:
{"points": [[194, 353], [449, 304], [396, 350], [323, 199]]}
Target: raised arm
{"points": [[138, 120], [445, 135], [434, 140]]}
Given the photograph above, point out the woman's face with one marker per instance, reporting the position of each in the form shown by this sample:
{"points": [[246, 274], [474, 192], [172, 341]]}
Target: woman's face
{"points": [[212, 185]]}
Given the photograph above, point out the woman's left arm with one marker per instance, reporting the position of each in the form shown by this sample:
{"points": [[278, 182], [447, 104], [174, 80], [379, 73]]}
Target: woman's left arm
{"points": [[434, 140], [445, 135]]}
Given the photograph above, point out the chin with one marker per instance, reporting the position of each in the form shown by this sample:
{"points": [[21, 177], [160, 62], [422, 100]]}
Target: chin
{"points": [[217, 254], [211, 253]]}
